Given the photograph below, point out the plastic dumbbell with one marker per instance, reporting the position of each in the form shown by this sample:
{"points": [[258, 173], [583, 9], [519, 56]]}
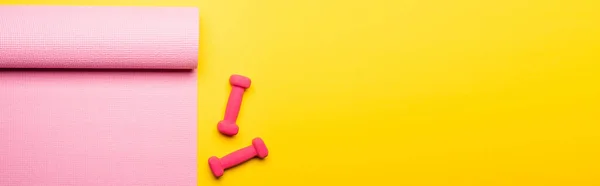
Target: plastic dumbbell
{"points": [[257, 149], [228, 125]]}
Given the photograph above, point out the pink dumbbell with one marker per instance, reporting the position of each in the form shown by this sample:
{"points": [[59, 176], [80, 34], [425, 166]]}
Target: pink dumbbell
{"points": [[218, 166], [239, 84]]}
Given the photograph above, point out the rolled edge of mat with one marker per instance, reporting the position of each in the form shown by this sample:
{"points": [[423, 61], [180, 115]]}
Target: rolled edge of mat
{"points": [[99, 37]]}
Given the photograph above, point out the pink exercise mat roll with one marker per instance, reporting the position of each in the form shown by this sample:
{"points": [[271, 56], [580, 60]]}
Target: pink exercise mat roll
{"points": [[98, 37], [62, 124]]}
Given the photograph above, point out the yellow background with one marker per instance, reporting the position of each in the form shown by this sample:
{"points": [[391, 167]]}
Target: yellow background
{"points": [[401, 92]]}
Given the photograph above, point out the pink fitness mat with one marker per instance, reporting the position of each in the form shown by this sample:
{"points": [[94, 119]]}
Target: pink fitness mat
{"points": [[98, 96]]}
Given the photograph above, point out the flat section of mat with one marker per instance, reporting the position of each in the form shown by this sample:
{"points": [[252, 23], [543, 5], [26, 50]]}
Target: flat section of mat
{"points": [[98, 128]]}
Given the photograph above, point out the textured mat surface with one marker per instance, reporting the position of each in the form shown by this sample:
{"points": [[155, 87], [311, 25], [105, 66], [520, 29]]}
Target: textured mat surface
{"points": [[98, 37], [98, 96]]}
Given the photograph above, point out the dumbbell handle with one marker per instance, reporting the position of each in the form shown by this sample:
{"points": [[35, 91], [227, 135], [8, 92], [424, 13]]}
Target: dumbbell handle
{"points": [[237, 157], [234, 103]]}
